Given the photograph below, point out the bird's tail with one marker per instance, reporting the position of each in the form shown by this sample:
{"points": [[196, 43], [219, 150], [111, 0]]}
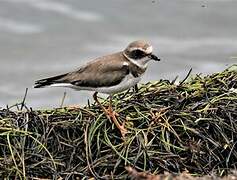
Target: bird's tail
{"points": [[48, 81]]}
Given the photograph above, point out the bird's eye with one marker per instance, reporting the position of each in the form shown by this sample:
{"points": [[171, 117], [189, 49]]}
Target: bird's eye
{"points": [[137, 54]]}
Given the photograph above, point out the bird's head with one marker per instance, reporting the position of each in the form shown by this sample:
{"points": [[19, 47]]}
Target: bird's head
{"points": [[140, 52]]}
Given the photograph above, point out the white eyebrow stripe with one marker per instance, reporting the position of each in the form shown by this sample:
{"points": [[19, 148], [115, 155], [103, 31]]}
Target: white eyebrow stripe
{"points": [[136, 48], [148, 50]]}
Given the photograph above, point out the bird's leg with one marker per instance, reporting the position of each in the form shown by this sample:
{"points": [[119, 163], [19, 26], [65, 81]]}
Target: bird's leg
{"points": [[98, 102], [111, 114], [110, 109]]}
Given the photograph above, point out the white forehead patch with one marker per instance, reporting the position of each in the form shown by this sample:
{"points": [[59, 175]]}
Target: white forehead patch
{"points": [[149, 50], [135, 48]]}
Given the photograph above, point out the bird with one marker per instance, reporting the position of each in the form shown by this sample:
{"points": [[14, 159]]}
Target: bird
{"points": [[109, 74]]}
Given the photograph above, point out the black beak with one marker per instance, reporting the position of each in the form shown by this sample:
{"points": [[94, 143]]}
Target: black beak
{"points": [[154, 57]]}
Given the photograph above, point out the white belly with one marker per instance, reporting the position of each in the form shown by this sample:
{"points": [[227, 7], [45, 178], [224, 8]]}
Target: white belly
{"points": [[128, 82]]}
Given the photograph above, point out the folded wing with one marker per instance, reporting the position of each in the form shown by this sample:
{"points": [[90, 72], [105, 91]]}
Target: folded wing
{"points": [[101, 73]]}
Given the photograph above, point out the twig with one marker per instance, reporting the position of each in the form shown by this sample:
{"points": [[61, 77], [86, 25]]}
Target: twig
{"points": [[189, 72], [174, 80], [63, 99], [23, 101], [87, 152]]}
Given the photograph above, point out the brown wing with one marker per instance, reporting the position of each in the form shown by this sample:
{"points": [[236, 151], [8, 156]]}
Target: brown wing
{"points": [[105, 71]]}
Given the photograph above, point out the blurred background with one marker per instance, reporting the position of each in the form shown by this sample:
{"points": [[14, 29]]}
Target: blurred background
{"points": [[41, 38]]}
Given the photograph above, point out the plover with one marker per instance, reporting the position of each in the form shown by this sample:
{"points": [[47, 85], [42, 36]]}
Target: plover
{"points": [[108, 74]]}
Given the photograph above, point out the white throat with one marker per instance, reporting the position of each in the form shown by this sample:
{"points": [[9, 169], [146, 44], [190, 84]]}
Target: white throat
{"points": [[142, 63]]}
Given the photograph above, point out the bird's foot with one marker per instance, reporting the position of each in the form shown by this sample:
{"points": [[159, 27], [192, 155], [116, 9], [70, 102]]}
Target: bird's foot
{"points": [[111, 113], [112, 116]]}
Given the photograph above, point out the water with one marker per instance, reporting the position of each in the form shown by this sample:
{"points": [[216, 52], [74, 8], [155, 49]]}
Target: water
{"points": [[40, 38]]}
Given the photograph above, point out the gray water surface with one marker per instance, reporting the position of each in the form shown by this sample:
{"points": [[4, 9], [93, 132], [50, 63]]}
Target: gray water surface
{"points": [[41, 38]]}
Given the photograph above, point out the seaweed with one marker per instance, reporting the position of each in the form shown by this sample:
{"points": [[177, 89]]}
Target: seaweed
{"points": [[189, 126]]}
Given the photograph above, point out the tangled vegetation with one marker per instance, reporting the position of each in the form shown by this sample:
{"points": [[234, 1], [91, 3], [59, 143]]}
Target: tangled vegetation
{"points": [[189, 127]]}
